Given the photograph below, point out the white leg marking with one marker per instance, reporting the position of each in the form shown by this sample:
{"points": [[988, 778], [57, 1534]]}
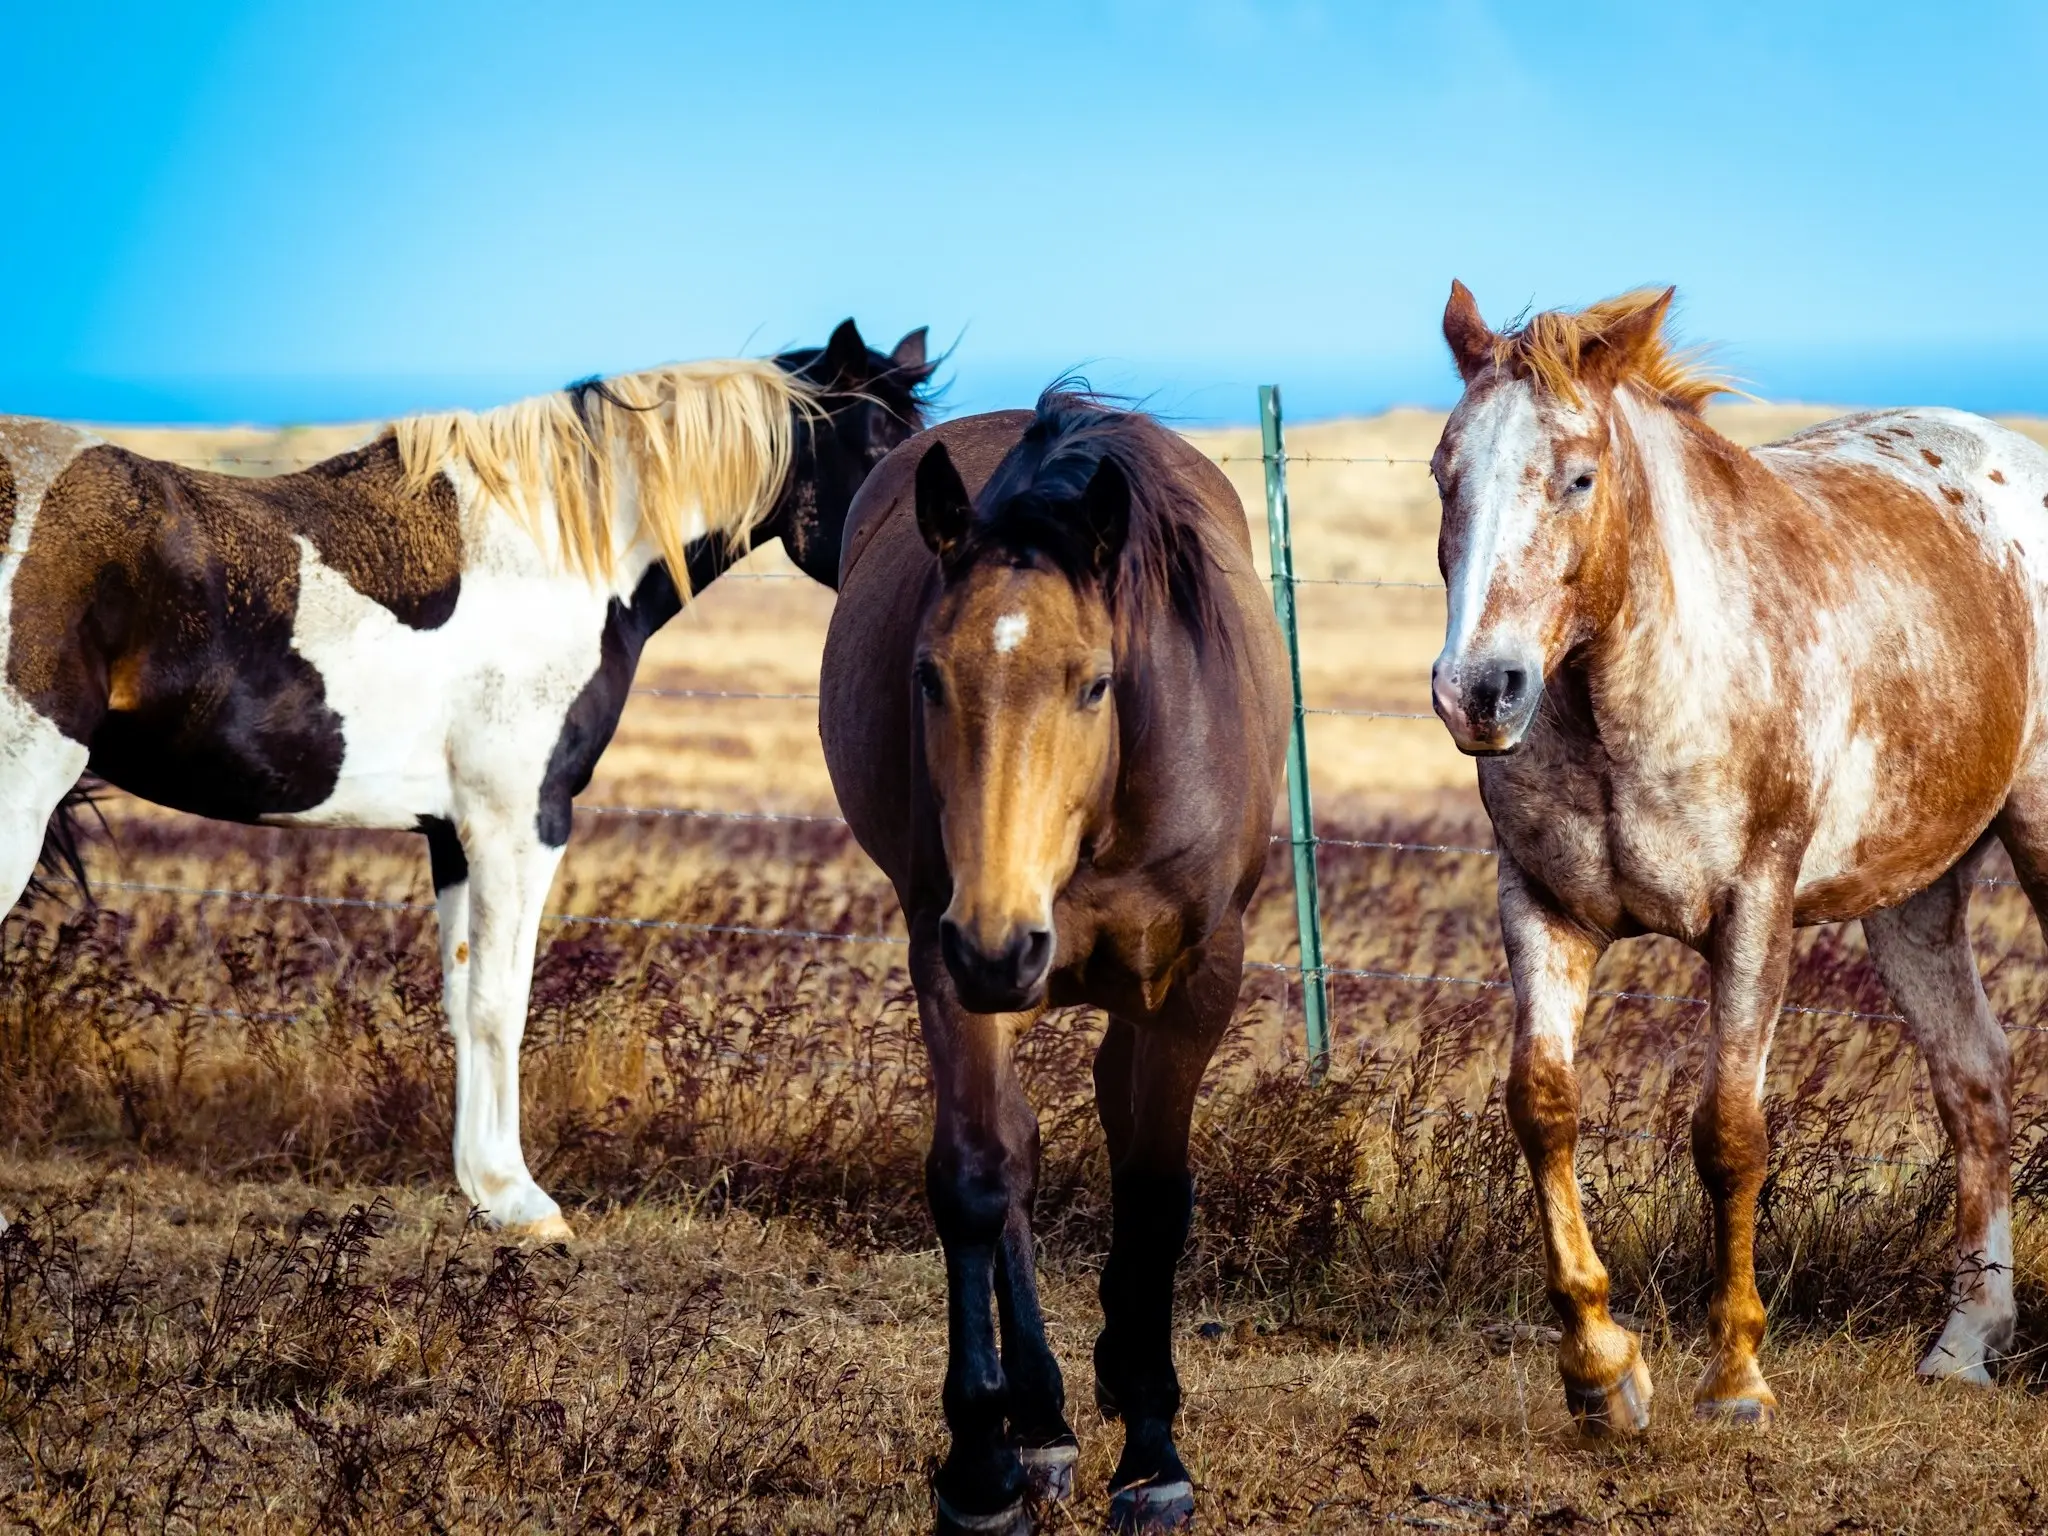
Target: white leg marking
{"points": [[509, 879], [451, 906], [38, 763], [1982, 1311]]}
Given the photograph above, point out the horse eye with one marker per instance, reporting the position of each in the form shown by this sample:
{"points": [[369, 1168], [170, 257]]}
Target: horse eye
{"points": [[928, 683], [1095, 692], [1583, 483]]}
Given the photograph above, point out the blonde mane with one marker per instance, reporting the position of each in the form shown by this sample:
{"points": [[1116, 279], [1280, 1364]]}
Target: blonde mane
{"points": [[1554, 347], [713, 439]]}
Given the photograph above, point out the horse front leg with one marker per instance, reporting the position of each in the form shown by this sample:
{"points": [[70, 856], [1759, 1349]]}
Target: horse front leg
{"points": [[510, 872], [1551, 958], [978, 1177], [1037, 1396], [1750, 955], [1160, 1066]]}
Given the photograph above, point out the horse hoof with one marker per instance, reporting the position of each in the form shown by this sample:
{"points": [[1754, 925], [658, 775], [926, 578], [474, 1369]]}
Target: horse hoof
{"points": [[1744, 1412], [549, 1229], [1049, 1469], [1147, 1507], [1620, 1408], [1967, 1361], [1014, 1521], [1976, 1374]]}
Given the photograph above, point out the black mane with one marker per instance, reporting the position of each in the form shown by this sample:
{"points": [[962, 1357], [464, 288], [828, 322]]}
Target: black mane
{"points": [[1031, 504], [908, 394]]}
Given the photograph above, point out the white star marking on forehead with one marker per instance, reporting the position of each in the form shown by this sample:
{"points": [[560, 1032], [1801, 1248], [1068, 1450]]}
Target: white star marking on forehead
{"points": [[1011, 629]]}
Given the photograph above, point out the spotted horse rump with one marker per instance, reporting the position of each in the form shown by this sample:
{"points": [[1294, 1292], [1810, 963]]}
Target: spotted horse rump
{"points": [[434, 631], [1717, 694]]}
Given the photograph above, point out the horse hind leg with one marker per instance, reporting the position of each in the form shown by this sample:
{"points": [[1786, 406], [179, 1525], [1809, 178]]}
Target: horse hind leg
{"points": [[39, 765], [1922, 949]]}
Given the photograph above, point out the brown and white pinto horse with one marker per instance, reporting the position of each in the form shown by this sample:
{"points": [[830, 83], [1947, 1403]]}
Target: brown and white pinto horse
{"points": [[437, 631], [1719, 694], [1054, 705]]}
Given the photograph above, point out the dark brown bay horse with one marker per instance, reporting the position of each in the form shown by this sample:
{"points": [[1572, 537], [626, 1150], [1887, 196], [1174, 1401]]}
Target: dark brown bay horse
{"points": [[1718, 694], [437, 631], [1053, 705]]}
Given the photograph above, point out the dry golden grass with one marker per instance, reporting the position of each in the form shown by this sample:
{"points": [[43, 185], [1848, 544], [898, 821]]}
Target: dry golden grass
{"points": [[749, 1332], [271, 1364], [196, 1092]]}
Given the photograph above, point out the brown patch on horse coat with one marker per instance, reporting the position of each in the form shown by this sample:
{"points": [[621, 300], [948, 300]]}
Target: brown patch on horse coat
{"points": [[168, 596], [1933, 459], [1949, 725], [1996, 477]]}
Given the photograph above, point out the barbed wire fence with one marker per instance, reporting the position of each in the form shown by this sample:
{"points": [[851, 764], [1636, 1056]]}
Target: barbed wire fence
{"points": [[1306, 975]]}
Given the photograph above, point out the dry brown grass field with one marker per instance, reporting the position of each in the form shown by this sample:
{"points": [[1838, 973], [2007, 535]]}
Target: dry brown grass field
{"points": [[241, 1294]]}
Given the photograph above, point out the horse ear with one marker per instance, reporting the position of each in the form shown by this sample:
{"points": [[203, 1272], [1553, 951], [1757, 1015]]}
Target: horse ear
{"points": [[846, 353], [1625, 341], [1106, 512], [944, 511], [908, 357], [1470, 338]]}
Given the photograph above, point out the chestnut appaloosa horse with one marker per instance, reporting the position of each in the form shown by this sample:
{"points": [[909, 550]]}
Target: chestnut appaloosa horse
{"points": [[1717, 694], [437, 631], [1053, 705]]}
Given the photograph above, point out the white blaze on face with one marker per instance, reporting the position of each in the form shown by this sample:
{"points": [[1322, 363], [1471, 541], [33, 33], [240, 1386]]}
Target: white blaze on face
{"points": [[1010, 631], [1501, 504]]}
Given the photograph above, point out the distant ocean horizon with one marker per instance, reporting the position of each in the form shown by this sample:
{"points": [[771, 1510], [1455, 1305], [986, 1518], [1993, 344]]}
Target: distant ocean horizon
{"points": [[2007, 379]]}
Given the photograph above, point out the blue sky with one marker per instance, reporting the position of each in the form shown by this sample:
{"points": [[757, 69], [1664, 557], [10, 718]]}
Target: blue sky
{"points": [[297, 212]]}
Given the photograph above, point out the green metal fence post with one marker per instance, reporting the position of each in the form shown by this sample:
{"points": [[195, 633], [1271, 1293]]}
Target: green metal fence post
{"points": [[1301, 820]]}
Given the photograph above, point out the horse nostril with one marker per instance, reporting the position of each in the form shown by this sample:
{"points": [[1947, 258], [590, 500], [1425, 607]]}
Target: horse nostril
{"points": [[1034, 954], [952, 949], [1512, 681]]}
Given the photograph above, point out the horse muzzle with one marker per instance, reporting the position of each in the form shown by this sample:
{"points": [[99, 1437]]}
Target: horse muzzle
{"points": [[1007, 975], [1487, 702]]}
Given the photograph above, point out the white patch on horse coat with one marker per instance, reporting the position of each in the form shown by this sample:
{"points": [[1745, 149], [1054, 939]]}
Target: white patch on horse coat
{"points": [[1713, 605], [1010, 631], [1498, 441], [38, 762], [1980, 1320], [34, 755], [422, 708]]}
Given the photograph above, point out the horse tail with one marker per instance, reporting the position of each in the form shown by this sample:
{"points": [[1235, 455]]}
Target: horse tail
{"points": [[62, 858]]}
